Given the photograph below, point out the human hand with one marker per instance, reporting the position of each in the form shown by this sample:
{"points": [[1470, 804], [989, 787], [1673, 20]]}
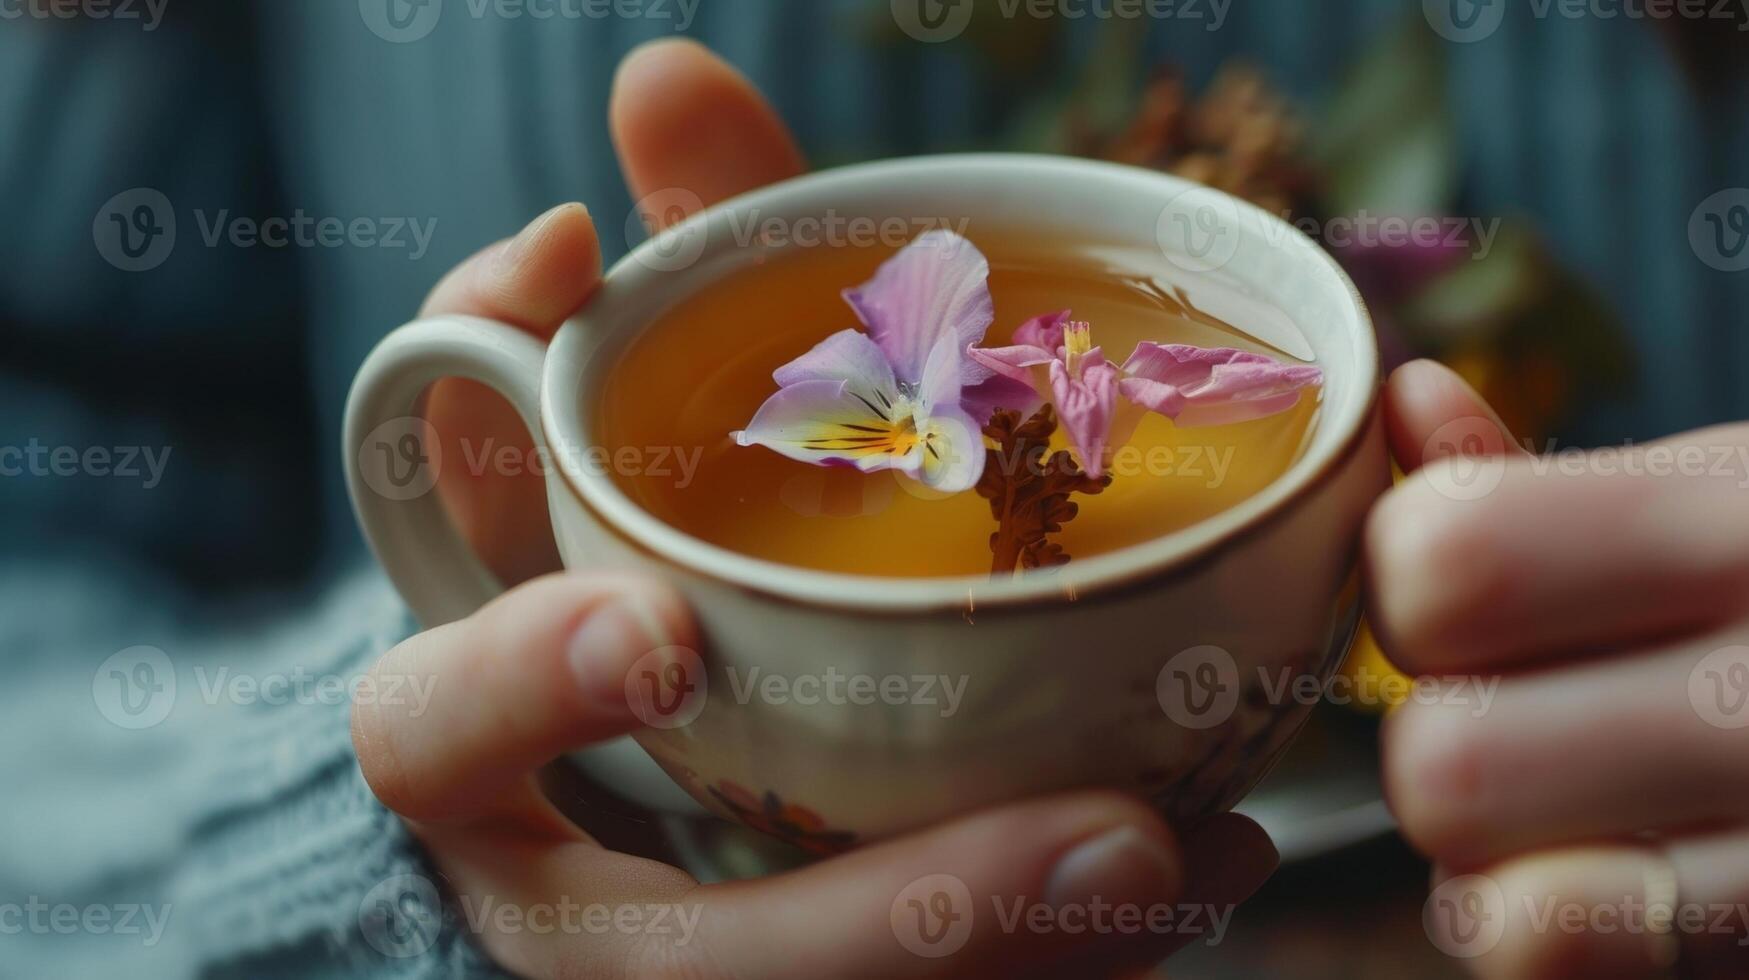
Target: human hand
{"points": [[541, 672], [1608, 596], [690, 132]]}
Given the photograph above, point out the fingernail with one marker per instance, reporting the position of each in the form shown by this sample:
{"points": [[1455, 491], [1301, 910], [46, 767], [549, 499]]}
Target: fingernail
{"points": [[605, 648], [1118, 867], [518, 248]]}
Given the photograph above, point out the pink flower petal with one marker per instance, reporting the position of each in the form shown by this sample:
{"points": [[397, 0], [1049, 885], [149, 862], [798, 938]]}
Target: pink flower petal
{"points": [[1087, 406], [847, 355], [1199, 387], [981, 401], [938, 284], [1017, 378], [1015, 363], [1013, 380], [1043, 331], [941, 378], [1155, 396]]}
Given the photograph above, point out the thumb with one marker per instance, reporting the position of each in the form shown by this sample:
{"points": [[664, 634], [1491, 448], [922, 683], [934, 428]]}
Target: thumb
{"points": [[1431, 414], [691, 131], [459, 715]]}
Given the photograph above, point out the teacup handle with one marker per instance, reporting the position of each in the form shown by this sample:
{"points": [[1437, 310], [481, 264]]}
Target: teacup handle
{"points": [[393, 459]]}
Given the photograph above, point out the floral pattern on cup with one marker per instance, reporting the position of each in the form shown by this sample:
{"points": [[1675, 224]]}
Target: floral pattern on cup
{"points": [[789, 822]]}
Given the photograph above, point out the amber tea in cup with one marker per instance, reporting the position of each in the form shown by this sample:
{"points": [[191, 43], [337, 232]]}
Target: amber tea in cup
{"points": [[813, 445], [704, 368]]}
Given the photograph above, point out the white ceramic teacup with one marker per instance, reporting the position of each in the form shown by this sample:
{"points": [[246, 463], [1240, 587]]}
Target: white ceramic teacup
{"points": [[1154, 669]]}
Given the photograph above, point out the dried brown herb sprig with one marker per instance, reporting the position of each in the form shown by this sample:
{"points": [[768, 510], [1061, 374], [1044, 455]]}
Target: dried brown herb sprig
{"points": [[1240, 137], [1029, 487]]}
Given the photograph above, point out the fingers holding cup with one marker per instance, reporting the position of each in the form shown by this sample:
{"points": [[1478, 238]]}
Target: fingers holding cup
{"points": [[1621, 910], [1581, 752], [1566, 556], [545, 669]]}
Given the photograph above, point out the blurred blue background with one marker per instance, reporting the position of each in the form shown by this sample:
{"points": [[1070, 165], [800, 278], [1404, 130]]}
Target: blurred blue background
{"points": [[1605, 133], [1607, 136]]}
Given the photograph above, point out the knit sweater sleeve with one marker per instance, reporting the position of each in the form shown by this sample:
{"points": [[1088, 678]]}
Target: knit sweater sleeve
{"points": [[198, 782]]}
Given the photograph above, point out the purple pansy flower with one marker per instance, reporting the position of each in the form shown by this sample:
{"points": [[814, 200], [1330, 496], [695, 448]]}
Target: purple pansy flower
{"points": [[911, 393], [1193, 386], [900, 396]]}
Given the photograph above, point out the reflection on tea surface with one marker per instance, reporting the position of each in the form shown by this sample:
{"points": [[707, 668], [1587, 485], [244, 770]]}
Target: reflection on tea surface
{"points": [[705, 368]]}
